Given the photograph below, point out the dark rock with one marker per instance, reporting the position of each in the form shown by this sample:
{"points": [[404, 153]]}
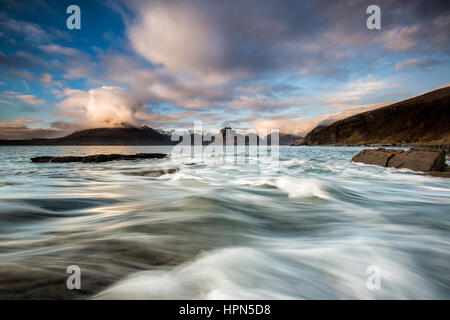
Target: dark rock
{"points": [[100, 158], [153, 173], [419, 159], [379, 157], [439, 174]]}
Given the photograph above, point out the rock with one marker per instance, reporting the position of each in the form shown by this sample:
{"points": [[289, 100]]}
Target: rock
{"points": [[153, 173], [99, 158], [419, 159], [379, 157], [439, 174]]}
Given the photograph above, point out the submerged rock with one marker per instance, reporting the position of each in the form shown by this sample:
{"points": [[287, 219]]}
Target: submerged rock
{"points": [[417, 159], [99, 158], [153, 173]]}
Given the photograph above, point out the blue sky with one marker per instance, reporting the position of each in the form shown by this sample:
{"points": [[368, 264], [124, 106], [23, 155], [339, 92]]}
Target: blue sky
{"points": [[286, 65]]}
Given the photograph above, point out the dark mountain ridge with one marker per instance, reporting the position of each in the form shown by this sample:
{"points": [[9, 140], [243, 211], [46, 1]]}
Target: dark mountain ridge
{"points": [[424, 119], [102, 136]]}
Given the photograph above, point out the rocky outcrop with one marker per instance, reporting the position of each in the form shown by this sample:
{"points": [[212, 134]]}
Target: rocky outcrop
{"points": [[99, 158], [421, 120], [418, 159]]}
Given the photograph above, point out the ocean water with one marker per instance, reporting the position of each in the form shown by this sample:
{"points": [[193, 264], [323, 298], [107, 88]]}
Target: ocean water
{"points": [[305, 227]]}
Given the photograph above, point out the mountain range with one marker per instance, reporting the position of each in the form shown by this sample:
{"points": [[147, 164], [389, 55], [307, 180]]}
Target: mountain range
{"points": [[134, 136]]}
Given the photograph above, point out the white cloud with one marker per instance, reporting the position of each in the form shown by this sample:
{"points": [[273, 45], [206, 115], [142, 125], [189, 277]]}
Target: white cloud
{"points": [[57, 49], [27, 98], [357, 90], [103, 107], [30, 99]]}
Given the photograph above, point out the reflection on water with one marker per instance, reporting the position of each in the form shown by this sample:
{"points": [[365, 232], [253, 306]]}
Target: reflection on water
{"points": [[306, 228]]}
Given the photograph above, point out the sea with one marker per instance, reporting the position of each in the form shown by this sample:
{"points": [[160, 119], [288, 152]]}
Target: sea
{"points": [[309, 224]]}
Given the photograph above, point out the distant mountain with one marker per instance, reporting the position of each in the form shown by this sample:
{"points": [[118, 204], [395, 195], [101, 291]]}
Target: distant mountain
{"points": [[124, 136], [424, 119], [129, 136], [290, 139], [252, 139]]}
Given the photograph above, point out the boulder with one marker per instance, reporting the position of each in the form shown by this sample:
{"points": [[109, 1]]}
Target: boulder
{"points": [[379, 157], [419, 159]]}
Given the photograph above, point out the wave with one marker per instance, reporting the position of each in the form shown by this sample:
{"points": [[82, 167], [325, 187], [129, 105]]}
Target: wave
{"points": [[330, 271], [301, 188]]}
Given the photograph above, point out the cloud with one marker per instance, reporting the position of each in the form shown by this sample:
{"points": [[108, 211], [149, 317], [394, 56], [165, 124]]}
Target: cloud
{"points": [[30, 99], [30, 31], [6, 102], [289, 123], [357, 90], [73, 63], [18, 73], [26, 98], [402, 38], [57, 49], [18, 129], [415, 63], [216, 42], [46, 78], [104, 107]]}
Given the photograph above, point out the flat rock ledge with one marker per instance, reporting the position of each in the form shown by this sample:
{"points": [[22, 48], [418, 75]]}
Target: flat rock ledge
{"points": [[430, 161], [99, 158]]}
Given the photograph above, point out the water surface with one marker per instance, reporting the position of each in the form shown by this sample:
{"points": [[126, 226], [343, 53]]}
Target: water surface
{"points": [[307, 227]]}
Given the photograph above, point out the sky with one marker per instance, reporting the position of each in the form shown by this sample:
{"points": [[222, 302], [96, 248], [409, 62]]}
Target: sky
{"points": [[248, 64]]}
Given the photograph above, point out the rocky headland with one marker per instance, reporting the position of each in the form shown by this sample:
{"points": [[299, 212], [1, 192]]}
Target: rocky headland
{"points": [[420, 121]]}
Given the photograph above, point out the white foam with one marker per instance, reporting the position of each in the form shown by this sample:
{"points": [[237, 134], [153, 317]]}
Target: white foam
{"points": [[232, 273], [292, 186]]}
